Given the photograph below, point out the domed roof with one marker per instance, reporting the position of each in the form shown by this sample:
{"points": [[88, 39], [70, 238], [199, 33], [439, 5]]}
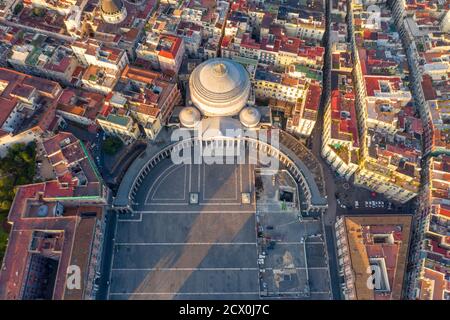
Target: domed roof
{"points": [[189, 117], [249, 117], [111, 6], [219, 87]]}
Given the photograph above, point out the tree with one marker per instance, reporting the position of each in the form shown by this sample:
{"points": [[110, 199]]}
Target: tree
{"points": [[27, 157], [38, 12], [5, 205], [18, 8], [22, 180], [112, 145], [420, 47], [6, 182], [31, 149], [16, 168], [3, 239]]}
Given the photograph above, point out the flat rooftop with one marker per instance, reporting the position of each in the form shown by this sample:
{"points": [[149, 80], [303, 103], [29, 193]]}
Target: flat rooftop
{"points": [[378, 237]]}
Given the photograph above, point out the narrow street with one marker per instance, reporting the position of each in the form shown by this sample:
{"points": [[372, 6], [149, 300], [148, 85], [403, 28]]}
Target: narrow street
{"points": [[110, 230], [329, 217], [316, 141]]}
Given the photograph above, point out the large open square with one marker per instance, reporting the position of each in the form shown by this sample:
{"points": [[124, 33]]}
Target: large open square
{"points": [[171, 249], [291, 250], [178, 246]]}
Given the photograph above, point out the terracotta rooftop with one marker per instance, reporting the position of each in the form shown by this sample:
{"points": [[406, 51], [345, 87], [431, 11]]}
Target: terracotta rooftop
{"points": [[373, 83], [15, 79], [169, 45], [312, 100], [432, 285], [6, 107], [362, 234], [81, 103], [343, 112], [14, 274]]}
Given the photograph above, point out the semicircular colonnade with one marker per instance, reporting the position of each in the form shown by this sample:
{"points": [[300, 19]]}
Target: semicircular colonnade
{"points": [[314, 197]]}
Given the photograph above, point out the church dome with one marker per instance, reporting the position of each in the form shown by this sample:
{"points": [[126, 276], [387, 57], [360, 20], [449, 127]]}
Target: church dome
{"points": [[219, 87], [189, 117], [249, 117], [113, 11]]}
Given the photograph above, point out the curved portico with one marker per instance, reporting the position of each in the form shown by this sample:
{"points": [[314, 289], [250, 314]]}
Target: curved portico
{"points": [[309, 183]]}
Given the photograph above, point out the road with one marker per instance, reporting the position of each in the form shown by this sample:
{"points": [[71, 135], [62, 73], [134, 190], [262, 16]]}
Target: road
{"points": [[114, 167], [329, 217], [336, 187], [108, 241], [93, 141]]}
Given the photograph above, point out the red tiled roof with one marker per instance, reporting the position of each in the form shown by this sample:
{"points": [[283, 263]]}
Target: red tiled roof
{"points": [[226, 41], [66, 96], [345, 102], [53, 144], [428, 89], [291, 45], [444, 212], [248, 42], [312, 100], [311, 52], [61, 66], [437, 283], [270, 46], [373, 83], [6, 107], [437, 249], [17, 258], [175, 46], [140, 75]]}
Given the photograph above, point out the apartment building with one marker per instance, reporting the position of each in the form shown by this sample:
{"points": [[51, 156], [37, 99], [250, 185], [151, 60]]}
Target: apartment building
{"points": [[372, 255], [42, 56], [103, 65], [389, 129], [28, 107], [340, 139], [430, 263], [56, 224], [269, 84], [79, 106], [150, 98], [117, 123], [95, 53], [304, 116], [164, 52]]}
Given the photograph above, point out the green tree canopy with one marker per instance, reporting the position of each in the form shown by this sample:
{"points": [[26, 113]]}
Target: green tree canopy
{"points": [[112, 145], [16, 168]]}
